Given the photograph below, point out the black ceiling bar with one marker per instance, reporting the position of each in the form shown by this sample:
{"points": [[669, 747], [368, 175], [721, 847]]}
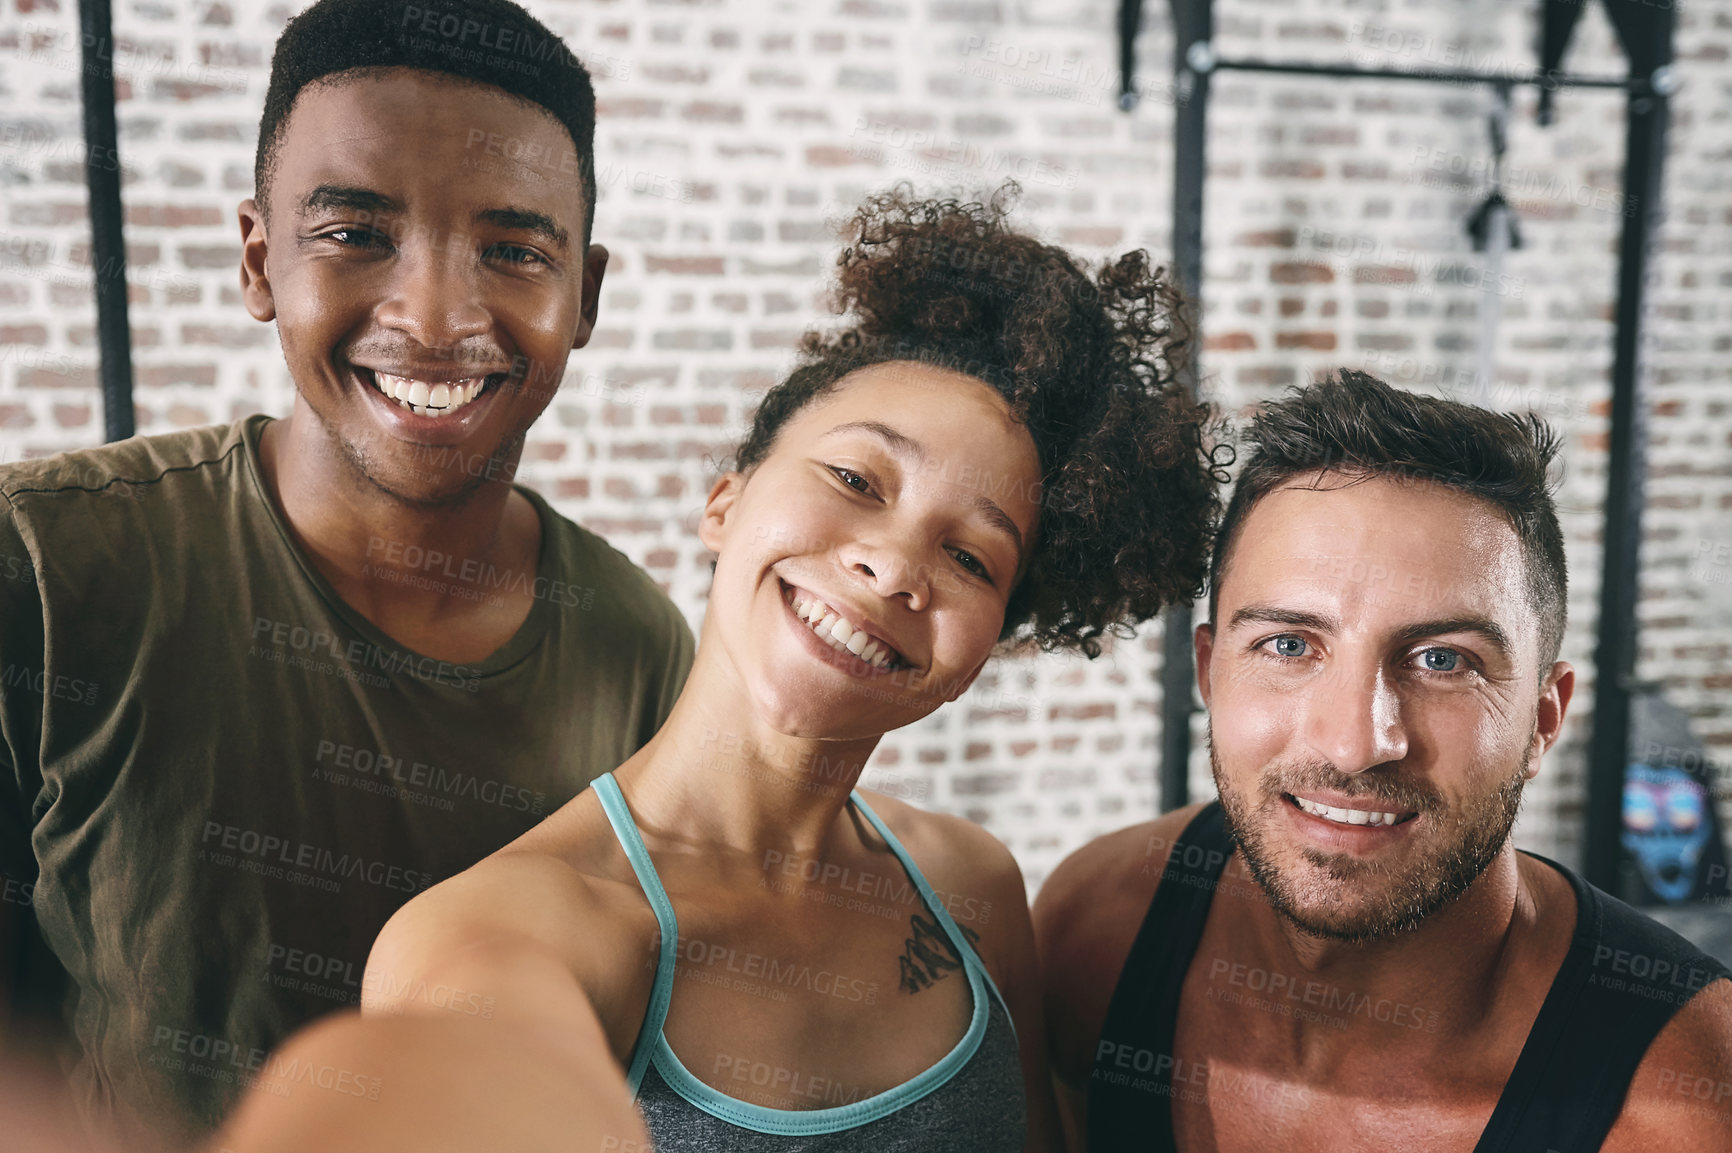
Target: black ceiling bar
{"points": [[1434, 76], [1646, 34], [107, 240]]}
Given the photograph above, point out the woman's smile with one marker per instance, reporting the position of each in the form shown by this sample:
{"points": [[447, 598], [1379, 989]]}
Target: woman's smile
{"points": [[839, 638]]}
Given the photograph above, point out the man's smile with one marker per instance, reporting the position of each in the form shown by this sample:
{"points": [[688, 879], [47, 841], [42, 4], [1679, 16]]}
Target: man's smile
{"points": [[426, 396], [409, 406]]}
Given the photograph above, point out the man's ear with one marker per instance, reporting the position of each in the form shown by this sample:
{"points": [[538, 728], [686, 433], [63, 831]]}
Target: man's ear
{"points": [[255, 283], [718, 506], [594, 268], [1555, 693], [1202, 645]]}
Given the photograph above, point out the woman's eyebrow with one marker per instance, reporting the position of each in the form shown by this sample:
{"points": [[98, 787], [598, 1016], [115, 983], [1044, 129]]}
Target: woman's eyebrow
{"points": [[903, 445], [898, 443]]}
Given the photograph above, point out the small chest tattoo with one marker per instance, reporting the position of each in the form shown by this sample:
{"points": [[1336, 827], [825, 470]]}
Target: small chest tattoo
{"points": [[928, 955]]}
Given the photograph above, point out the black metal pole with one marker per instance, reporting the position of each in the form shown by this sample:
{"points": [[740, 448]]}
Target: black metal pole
{"points": [[1431, 75], [107, 241], [1193, 27], [1646, 115]]}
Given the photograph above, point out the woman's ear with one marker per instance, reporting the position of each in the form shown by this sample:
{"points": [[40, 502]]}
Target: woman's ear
{"points": [[718, 509]]}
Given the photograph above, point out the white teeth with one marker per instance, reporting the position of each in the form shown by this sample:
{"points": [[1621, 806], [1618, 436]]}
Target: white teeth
{"points": [[428, 399], [839, 634], [1347, 816]]}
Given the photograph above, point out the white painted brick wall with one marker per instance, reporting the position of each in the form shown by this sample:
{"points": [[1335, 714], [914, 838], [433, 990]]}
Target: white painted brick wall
{"points": [[733, 135]]}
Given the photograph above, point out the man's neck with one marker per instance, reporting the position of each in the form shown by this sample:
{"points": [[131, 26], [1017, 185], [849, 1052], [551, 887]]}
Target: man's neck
{"points": [[1450, 970], [394, 561]]}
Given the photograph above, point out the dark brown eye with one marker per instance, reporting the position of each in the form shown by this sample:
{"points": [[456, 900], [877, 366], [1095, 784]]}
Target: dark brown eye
{"points": [[359, 238], [516, 254], [849, 477], [969, 561]]}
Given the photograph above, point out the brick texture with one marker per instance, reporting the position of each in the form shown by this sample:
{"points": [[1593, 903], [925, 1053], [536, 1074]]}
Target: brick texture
{"points": [[734, 135]]}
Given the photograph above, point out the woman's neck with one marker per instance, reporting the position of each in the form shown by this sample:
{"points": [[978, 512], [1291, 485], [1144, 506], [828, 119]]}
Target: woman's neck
{"points": [[716, 774]]}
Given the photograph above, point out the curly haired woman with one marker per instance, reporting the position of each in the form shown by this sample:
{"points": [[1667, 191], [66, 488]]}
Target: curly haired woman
{"points": [[991, 452]]}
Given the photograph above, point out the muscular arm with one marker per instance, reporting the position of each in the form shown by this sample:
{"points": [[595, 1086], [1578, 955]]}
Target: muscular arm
{"points": [[1680, 1099], [1085, 919]]}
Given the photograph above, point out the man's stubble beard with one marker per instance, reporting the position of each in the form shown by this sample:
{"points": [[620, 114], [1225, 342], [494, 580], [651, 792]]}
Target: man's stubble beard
{"points": [[1459, 854], [365, 466]]}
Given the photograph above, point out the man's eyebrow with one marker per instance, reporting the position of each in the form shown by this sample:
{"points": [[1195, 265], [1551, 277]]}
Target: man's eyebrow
{"points": [[1274, 615], [906, 446], [328, 197], [1484, 627], [526, 220]]}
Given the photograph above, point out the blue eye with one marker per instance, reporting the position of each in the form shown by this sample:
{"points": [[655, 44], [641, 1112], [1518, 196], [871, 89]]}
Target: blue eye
{"points": [[1290, 646], [1441, 660]]}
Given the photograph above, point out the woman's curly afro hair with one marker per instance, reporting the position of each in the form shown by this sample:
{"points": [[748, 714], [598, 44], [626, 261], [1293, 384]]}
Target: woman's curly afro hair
{"points": [[1130, 479]]}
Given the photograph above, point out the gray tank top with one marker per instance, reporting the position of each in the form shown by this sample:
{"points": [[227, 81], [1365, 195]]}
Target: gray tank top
{"points": [[971, 1099]]}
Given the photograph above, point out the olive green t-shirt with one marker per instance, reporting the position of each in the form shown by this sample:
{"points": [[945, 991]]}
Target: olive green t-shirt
{"points": [[217, 780]]}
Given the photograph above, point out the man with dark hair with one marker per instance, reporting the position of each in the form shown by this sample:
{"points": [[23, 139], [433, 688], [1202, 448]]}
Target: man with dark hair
{"points": [[265, 682], [1345, 952]]}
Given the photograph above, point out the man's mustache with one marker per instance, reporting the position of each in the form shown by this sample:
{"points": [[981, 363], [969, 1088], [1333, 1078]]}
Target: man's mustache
{"points": [[1379, 783], [490, 356]]}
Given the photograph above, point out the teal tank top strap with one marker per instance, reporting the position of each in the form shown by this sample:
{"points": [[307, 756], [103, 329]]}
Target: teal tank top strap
{"points": [[625, 829], [964, 949]]}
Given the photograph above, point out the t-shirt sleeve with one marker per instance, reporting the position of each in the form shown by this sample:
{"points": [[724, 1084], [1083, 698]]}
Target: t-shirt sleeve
{"points": [[21, 656]]}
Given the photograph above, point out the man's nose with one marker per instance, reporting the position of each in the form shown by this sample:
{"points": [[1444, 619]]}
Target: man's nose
{"points": [[1353, 719], [434, 298]]}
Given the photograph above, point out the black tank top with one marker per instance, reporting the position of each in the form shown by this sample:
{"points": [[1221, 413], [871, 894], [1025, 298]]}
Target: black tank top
{"points": [[1623, 978]]}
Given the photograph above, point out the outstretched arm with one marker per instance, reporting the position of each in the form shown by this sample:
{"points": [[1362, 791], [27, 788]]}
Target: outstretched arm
{"points": [[476, 1032], [426, 1084]]}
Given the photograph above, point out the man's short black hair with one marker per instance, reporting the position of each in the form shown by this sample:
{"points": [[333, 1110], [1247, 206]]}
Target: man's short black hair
{"points": [[1353, 425], [483, 41]]}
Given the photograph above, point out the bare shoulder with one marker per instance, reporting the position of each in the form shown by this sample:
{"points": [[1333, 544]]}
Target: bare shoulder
{"points": [[527, 898], [521, 924], [1681, 1096], [971, 871], [1105, 886], [1086, 917]]}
